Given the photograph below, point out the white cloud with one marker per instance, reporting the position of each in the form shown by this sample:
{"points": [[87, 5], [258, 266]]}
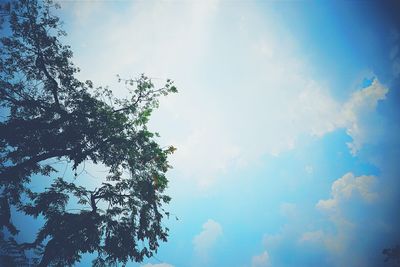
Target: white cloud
{"points": [[157, 265], [335, 231], [345, 187], [338, 242], [321, 114], [206, 239], [261, 260]]}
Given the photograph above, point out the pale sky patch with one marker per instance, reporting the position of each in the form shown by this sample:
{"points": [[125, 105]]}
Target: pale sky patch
{"points": [[261, 260], [288, 209], [157, 265], [312, 236], [309, 169]]}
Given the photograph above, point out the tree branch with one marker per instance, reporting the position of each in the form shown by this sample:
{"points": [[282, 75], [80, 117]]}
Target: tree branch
{"points": [[19, 167], [54, 85]]}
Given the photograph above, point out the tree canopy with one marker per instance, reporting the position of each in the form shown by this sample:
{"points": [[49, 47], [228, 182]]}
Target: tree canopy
{"points": [[50, 114]]}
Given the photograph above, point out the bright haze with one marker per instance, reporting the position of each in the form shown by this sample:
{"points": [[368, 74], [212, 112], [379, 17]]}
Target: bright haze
{"points": [[286, 123]]}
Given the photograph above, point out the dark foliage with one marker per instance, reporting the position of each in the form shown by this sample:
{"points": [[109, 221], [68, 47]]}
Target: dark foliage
{"points": [[50, 114], [392, 255]]}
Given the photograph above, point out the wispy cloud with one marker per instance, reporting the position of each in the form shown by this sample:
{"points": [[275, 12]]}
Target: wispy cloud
{"points": [[204, 242]]}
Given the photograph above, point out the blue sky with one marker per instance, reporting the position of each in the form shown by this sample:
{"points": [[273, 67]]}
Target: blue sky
{"points": [[286, 123]]}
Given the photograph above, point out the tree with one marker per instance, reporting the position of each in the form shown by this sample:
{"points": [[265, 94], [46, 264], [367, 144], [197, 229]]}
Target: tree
{"points": [[392, 255], [50, 114]]}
